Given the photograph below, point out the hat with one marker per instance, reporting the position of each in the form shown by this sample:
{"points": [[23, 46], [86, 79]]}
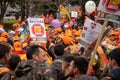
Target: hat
{"points": [[1, 30], [58, 29], [1, 26], [12, 32], [4, 34], [65, 26], [15, 25], [3, 39], [17, 46], [112, 33], [15, 38]]}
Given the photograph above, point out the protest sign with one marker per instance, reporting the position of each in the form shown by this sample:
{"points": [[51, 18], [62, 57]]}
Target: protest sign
{"points": [[74, 14], [90, 33], [96, 46], [37, 29], [109, 10]]}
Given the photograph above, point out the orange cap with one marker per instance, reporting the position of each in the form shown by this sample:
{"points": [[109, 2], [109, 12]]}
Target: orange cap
{"points": [[58, 29], [3, 39], [112, 33], [17, 46], [4, 34], [1, 26], [15, 38]]}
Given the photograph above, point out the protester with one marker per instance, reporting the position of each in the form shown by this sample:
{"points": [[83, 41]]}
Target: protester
{"points": [[78, 68], [34, 68], [5, 52], [13, 62], [65, 66], [56, 66], [37, 53], [114, 64]]}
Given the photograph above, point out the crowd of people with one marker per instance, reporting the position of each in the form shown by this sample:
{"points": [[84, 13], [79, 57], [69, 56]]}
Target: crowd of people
{"points": [[60, 58]]}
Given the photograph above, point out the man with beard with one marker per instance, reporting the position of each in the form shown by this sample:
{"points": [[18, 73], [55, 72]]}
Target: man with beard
{"points": [[5, 52], [78, 67], [114, 65], [65, 67]]}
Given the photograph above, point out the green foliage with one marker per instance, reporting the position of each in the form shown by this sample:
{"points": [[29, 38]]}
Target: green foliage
{"points": [[9, 21]]}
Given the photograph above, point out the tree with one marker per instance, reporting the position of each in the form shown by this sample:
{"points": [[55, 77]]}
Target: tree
{"points": [[47, 6], [3, 7]]}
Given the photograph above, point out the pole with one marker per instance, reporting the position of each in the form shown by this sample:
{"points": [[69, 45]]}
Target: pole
{"points": [[96, 46]]}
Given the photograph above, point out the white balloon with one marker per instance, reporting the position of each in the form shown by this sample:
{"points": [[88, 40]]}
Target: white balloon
{"points": [[90, 6]]}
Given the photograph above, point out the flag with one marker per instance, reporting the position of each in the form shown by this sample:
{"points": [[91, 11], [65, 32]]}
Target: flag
{"points": [[64, 10], [25, 33]]}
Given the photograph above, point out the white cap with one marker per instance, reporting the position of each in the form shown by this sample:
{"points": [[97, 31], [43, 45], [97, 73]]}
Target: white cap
{"points": [[65, 26], [20, 29], [1, 30], [12, 32]]}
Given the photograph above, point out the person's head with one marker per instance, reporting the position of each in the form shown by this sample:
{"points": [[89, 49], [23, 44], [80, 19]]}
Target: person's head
{"points": [[81, 50], [14, 60], [114, 58], [112, 35], [78, 66], [66, 63], [37, 53], [58, 49], [5, 52]]}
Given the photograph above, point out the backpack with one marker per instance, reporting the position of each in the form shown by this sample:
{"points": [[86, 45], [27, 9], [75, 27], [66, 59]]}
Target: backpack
{"points": [[32, 70]]}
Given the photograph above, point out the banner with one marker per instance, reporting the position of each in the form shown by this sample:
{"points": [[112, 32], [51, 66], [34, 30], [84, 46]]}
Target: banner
{"points": [[90, 33], [109, 9], [37, 29]]}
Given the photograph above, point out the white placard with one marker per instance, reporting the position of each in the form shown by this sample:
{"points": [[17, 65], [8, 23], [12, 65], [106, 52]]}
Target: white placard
{"points": [[37, 29], [74, 14], [110, 6], [90, 33], [109, 10]]}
